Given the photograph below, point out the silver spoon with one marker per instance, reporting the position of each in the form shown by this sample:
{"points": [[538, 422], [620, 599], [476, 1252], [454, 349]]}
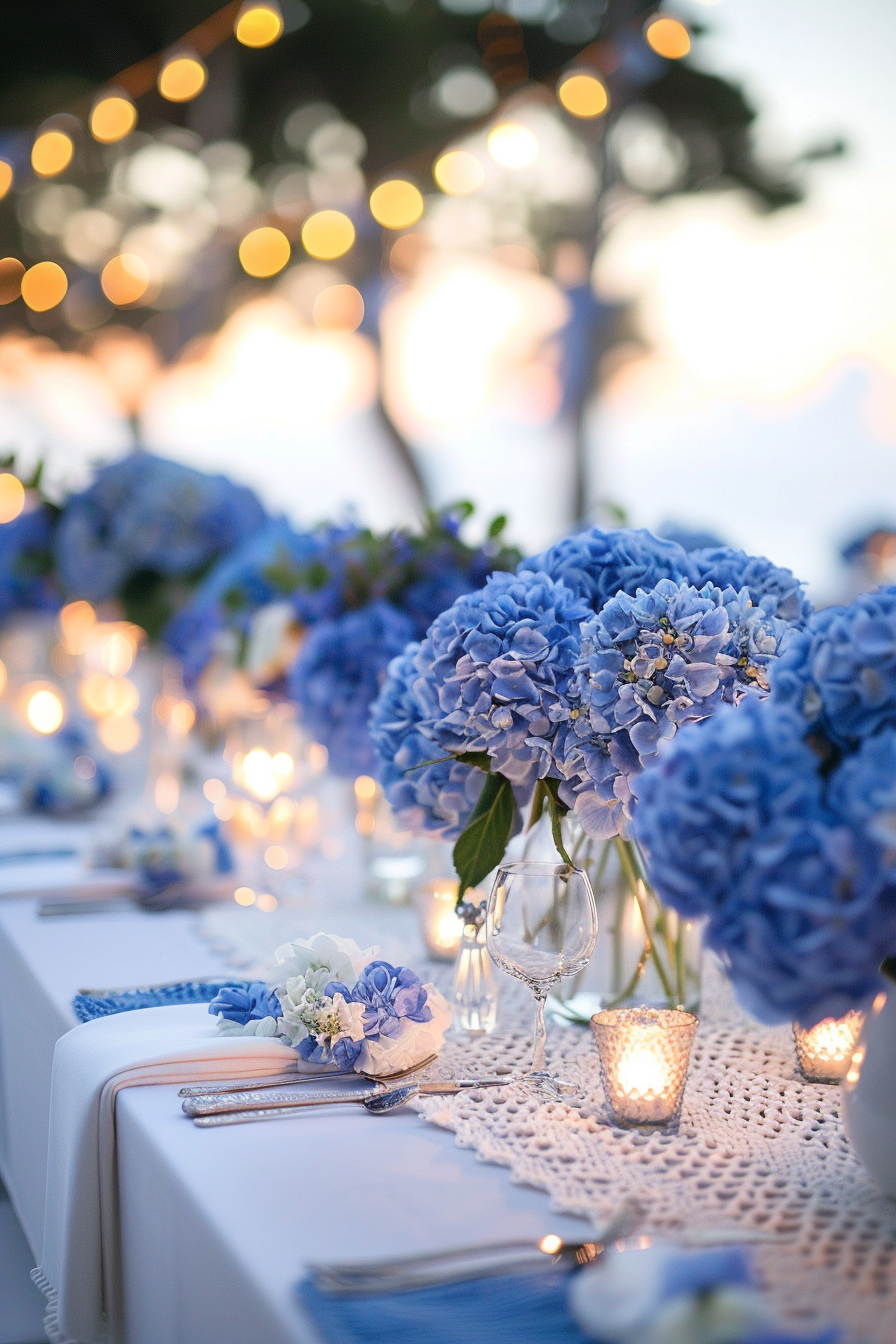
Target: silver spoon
{"points": [[291, 1077], [253, 1101], [378, 1103]]}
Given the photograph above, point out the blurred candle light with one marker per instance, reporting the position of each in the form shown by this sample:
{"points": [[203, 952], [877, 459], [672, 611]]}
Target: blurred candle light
{"points": [[182, 78], [264, 252], [4, 677], [396, 204], [76, 621], [458, 173], [258, 24], [244, 896], [12, 497], [125, 279], [644, 1057], [327, 234], [512, 145], [442, 929], [338, 308], [825, 1051], [6, 177], [668, 37], [11, 272], [113, 117], [51, 153], [44, 286], [583, 95], [117, 653], [119, 733], [44, 709]]}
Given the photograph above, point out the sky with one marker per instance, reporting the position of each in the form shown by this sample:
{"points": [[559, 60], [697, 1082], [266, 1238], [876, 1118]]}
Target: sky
{"points": [[766, 407]]}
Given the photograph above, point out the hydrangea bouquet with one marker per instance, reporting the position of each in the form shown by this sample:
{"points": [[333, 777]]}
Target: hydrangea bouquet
{"points": [[778, 824], [340, 1008], [553, 688]]}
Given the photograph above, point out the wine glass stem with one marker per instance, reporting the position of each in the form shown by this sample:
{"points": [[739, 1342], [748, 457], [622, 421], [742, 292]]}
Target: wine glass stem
{"points": [[540, 1036]]}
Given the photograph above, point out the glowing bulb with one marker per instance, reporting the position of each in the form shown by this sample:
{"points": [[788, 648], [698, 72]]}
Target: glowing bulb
{"points": [[258, 25], [125, 279], [244, 896], [396, 204], [44, 710], [550, 1244], [119, 733], [182, 78], [51, 153], [12, 497], [11, 272], [215, 790], [112, 118], [44, 286], [6, 176], [512, 145], [583, 96], [264, 252], [668, 38], [458, 173], [327, 234]]}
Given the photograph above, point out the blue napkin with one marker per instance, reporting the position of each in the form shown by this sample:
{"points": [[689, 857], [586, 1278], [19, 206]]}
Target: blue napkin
{"points": [[517, 1309], [88, 1006]]}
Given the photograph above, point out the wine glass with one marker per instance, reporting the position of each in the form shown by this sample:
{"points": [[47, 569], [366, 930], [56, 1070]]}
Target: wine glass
{"points": [[541, 924]]}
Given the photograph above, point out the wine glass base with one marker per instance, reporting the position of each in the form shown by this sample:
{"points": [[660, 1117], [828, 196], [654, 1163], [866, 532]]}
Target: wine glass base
{"points": [[546, 1085]]}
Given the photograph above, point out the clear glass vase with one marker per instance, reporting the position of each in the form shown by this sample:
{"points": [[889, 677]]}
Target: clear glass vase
{"points": [[475, 992]]}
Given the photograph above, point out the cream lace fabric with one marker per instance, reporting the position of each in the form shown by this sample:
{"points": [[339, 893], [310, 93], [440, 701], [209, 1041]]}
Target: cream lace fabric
{"points": [[757, 1148]]}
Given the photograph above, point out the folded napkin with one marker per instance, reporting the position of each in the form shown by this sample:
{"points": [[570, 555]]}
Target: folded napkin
{"points": [[80, 1271], [88, 1006]]}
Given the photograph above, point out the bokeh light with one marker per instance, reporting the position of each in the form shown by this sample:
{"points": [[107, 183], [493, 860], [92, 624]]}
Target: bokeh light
{"points": [[327, 234], [44, 709], [11, 272], [119, 733], [113, 117], [12, 497], [76, 622], [258, 25], [51, 153], [125, 279], [583, 95], [668, 37], [512, 145], [6, 176], [275, 856], [4, 677], [396, 204], [264, 252], [458, 173], [338, 308], [215, 790], [182, 78], [244, 896], [44, 286]]}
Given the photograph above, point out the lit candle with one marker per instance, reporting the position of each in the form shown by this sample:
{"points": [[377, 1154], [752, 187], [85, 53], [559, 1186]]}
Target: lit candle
{"points": [[440, 926], [825, 1050], [644, 1056]]}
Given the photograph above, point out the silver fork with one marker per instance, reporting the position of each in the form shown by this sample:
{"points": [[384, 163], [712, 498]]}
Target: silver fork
{"points": [[293, 1078], [245, 1103]]}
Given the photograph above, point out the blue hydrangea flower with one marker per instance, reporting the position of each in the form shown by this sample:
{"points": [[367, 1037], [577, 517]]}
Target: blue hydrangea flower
{"points": [[598, 564], [249, 1003], [337, 675], [840, 672], [389, 994], [26, 549], [494, 672], [426, 793], [145, 513], [736, 826], [648, 665], [775, 589], [862, 793]]}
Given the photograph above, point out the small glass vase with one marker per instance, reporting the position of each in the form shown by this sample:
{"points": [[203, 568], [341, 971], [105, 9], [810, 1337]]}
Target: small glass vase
{"points": [[475, 992], [646, 955]]}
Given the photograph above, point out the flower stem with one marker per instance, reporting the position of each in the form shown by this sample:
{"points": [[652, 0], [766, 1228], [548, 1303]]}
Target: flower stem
{"points": [[631, 873]]}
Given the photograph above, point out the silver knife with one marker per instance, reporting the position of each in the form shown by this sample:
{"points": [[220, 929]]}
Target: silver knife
{"points": [[234, 1102]]}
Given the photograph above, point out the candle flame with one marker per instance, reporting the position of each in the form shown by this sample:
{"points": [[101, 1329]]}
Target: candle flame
{"points": [[643, 1072]]}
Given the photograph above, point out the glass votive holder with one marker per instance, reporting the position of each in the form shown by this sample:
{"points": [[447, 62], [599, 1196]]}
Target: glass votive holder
{"points": [[644, 1057], [441, 927], [825, 1050]]}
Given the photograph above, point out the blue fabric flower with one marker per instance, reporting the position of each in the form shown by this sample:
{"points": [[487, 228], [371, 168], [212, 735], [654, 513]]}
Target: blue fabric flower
{"points": [[145, 513], [389, 994], [26, 549], [337, 675], [840, 672], [774, 588], [598, 564], [494, 672], [737, 826], [249, 1003], [427, 793]]}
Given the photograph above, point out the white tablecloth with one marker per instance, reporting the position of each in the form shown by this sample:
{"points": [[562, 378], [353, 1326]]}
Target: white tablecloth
{"points": [[217, 1224]]}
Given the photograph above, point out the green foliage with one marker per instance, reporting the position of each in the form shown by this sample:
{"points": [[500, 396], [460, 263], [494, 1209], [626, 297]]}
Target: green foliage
{"points": [[482, 845]]}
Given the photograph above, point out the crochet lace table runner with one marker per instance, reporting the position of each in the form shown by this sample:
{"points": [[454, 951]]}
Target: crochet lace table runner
{"points": [[757, 1149]]}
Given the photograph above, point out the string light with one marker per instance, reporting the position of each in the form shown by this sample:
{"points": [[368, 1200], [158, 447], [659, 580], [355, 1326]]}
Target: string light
{"points": [[668, 37], [512, 145], [44, 709], [583, 96], [11, 272], [258, 25], [51, 153], [327, 234], [113, 117], [182, 78], [264, 252], [6, 176], [44, 286], [125, 279], [396, 204], [12, 497], [458, 173]]}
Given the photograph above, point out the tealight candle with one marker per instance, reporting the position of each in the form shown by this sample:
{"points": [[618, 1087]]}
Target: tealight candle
{"points": [[441, 927], [644, 1056], [825, 1050]]}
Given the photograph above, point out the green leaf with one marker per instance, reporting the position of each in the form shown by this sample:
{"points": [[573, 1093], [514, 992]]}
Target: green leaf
{"points": [[559, 810], [481, 846], [480, 759], [497, 525]]}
